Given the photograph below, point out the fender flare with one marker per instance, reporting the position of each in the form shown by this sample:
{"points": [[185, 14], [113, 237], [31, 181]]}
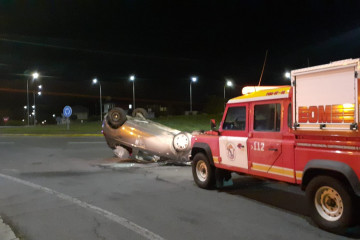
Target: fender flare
{"points": [[202, 147], [321, 165]]}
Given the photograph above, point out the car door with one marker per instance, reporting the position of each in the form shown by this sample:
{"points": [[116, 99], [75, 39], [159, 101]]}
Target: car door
{"points": [[233, 137]]}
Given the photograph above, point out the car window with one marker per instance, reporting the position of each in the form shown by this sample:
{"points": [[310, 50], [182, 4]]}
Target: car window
{"points": [[267, 117], [235, 119]]}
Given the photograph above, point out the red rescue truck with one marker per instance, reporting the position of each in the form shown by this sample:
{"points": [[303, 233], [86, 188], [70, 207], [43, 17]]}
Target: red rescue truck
{"points": [[305, 134]]}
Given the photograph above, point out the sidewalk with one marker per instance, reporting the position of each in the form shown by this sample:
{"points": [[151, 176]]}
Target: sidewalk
{"points": [[5, 232]]}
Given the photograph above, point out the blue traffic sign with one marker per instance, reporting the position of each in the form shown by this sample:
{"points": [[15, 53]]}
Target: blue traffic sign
{"points": [[67, 111]]}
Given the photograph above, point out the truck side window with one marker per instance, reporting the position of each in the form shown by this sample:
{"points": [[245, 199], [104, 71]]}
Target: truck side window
{"points": [[267, 117], [235, 118]]}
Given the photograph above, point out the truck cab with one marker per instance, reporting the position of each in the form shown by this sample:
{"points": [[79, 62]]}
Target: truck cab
{"points": [[254, 135], [305, 134]]}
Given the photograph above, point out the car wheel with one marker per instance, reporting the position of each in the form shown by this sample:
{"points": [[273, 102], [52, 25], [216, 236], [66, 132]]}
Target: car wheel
{"points": [[140, 111], [116, 117], [203, 172], [181, 142], [331, 204]]}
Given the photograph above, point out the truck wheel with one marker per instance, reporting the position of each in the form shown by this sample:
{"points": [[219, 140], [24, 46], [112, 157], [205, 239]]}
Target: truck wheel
{"points": [[203, 172], [331, 204], [116, 117]]}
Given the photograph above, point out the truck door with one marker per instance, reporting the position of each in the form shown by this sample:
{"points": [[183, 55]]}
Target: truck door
{"points": [[234, 135], [265, 141]]}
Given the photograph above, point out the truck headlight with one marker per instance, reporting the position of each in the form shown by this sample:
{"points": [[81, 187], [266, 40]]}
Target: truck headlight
{"points": [[181, 142]]}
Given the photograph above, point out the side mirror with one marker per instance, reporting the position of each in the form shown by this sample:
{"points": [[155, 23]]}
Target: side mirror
{"points": [[212, 124]]}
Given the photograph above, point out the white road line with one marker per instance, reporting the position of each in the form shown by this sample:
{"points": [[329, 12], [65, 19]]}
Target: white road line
{"points": [[85, 142], [111, 216]]}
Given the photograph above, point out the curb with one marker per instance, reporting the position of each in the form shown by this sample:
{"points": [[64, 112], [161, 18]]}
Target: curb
{"points": [[6, 233], [51, 135]]}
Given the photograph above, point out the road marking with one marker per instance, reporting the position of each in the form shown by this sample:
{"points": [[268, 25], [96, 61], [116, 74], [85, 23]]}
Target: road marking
{"points": [[85, 142], [109, 215]]}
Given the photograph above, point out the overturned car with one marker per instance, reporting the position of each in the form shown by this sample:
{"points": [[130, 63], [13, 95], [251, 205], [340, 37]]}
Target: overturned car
{"points": [[139, 135]]}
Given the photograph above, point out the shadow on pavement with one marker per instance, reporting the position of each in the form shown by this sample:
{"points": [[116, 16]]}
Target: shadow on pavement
{"points": [[277, 194]]}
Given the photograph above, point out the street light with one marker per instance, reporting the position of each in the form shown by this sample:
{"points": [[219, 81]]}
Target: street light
{"points": [[287, 75], [95, 81], [228, 83], [193, 80], [132, 79], [35, 76]]}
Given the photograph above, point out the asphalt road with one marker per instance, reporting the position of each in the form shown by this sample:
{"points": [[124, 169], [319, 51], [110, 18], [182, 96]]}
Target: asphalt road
{"points": [[53, 188]]}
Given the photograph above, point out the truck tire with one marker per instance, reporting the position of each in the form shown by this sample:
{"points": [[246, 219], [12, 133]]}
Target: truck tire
{"points": [[203, 172], [116, 117], [331, 204]]}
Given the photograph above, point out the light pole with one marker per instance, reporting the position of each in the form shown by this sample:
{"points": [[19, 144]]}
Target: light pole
{"points": [[39, 94], [132, 79], [95, 81], [193, 80], [25, 109], [33, 112], [35, 76], [228, 83]]}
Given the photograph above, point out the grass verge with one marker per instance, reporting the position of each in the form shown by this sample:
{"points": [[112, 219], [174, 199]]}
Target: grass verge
{"points": [[189, 123]]}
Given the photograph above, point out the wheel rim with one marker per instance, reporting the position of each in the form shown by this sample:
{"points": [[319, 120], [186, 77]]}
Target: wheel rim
{"points": [[329, 204], [115, 117], [201, 171]]}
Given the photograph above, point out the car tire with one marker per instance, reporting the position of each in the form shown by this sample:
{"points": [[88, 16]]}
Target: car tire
{"points": [[116, 117], [141, 111], [203, 172], [331, 204]]}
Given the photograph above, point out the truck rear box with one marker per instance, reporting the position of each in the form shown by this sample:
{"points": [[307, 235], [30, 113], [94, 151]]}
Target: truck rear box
{"points": [[325, 97]]}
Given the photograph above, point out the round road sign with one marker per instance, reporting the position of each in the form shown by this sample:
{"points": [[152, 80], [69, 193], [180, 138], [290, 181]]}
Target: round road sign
{"points": [[67, 111]]}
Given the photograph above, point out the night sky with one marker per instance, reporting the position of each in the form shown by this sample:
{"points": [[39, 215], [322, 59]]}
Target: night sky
{"points": [[164, 43]]}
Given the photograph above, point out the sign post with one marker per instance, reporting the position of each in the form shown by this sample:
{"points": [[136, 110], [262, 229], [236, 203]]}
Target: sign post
{"points": [[67, 111]]}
